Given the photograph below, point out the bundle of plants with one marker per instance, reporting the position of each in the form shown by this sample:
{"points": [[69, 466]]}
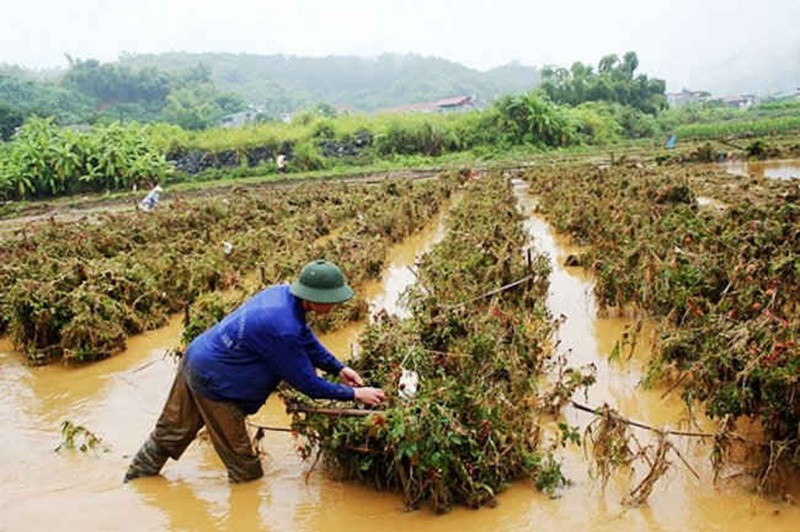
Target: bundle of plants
{"points": [[466, 382], [725, 284]]}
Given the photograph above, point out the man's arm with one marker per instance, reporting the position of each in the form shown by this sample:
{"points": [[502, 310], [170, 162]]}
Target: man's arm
{"points": [[293, 364], [320, 357], [323, 359]]}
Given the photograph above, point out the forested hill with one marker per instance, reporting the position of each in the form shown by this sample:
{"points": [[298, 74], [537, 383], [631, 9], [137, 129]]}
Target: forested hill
{"points": [[281, 83]]}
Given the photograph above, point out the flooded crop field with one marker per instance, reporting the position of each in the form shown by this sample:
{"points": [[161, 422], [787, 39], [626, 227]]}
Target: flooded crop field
{"points": [[605, 348]]}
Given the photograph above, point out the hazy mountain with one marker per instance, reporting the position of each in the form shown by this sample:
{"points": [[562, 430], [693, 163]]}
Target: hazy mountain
{"points": [[285, 82], [756, 69]]}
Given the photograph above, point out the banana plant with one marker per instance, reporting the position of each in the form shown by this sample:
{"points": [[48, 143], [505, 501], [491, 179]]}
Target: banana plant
{"points": [[45, 159]]}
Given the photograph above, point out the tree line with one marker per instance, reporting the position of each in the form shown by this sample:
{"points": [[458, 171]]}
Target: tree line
{"points": [[614, 81], [92, 92]]}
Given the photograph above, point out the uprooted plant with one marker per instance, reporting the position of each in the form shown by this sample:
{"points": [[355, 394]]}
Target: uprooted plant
{"points": [[78, 437]]}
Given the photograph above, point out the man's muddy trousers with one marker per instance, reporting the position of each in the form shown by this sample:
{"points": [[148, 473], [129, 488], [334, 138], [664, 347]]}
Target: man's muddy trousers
{"points": [[184, 414]]}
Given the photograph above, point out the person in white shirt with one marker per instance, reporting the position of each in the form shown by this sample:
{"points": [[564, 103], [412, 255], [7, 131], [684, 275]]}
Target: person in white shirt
{"points": [[150, 201]]}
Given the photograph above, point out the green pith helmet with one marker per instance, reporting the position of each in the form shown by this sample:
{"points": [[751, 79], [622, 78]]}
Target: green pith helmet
{"points": [[322, 282]]}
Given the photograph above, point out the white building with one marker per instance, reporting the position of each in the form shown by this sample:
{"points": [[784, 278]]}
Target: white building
{"points": [[677, 99]]}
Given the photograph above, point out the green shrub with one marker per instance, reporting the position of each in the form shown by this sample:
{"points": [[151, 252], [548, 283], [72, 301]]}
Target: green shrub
{"points": [[46, 160], [306, 157]]}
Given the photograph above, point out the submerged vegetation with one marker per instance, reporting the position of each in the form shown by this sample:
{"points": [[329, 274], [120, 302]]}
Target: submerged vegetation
{"points": [[472, 373], [483, 368], [472, 380], [78, 437], [78, 290], [358, 245], [723, 282]]}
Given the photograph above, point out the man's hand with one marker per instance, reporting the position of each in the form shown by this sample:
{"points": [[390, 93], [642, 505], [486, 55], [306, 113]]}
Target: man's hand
{"points": [[369, 396], [351, 378]]}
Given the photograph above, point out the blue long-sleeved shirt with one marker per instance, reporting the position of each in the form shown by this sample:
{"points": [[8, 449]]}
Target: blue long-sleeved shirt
{"points": [[243, 358]]}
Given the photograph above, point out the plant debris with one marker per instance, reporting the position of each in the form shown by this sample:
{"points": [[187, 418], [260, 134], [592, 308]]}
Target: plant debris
{"points": [[724, 285], [473, 425]]}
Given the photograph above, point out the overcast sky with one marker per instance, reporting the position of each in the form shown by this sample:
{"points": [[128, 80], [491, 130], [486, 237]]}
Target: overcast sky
{"points": [[675, 39]]}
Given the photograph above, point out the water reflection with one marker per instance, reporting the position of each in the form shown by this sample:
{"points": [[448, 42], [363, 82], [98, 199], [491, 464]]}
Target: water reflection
{"points": [[784, 169]]}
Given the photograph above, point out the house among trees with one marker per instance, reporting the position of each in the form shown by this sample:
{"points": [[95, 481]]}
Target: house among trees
{"points": [[742, 101], [458, 103], [447, 105], [677, 99], [248, 116]]}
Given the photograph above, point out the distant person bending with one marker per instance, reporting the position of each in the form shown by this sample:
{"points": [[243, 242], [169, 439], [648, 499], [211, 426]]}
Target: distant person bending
{"points": [[280, 161], [230, 370], [150, 201]]}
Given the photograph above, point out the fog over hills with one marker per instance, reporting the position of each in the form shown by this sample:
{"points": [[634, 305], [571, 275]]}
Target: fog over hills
{"points": [[756, 70], [723, 46], [389, 80]]}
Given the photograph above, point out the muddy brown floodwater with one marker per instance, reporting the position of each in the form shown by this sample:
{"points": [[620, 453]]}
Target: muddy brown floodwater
{"points": [[121, 397], [679, 501], [783, 169]]}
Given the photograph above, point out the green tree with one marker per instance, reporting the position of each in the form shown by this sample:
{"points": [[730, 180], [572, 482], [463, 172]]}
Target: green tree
{"points": [[615, 81], [280, 83], [28, 97], [109, 83], [10, 120], [188, 98], [192, 108]]}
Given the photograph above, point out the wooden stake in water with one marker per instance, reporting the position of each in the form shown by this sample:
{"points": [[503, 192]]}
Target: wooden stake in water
{"points": [[530, 268]]}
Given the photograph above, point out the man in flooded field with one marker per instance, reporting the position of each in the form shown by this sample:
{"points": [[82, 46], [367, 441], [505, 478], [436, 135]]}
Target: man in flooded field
{"points": [[229, 371]]}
